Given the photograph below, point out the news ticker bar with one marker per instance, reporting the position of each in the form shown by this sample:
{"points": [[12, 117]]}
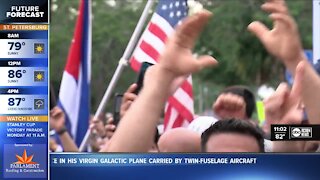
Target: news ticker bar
{"points": [[91, 160], [156, 159], [295, 132], [184, 166]]}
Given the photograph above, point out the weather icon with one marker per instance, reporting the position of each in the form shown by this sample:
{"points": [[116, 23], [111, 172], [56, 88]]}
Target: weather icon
{"points": [[38, 104], [38, 76], [38, 48]]}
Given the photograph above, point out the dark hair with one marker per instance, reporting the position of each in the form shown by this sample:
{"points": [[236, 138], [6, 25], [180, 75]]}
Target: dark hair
{"points": [[233, 126], [156, 136], [247, 96]]}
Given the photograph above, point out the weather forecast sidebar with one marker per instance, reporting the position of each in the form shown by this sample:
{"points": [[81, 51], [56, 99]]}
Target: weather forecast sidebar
{"points": [[24, 26]]}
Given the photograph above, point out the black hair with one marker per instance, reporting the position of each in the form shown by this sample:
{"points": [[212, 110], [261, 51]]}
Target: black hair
{"points": [[247, 95], [233, 126], [156, 136]]}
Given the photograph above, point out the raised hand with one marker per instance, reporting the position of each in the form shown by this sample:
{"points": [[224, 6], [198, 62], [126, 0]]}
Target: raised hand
{"points": [[230, 105], [310, 81], [97, 127], [110, 128], [136, 130], [177, 59], [284, 106], [128, 99], [283, 40], [57, 118]]}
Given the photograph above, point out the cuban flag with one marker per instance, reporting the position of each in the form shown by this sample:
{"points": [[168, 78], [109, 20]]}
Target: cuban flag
{"points": [[74, 96]]}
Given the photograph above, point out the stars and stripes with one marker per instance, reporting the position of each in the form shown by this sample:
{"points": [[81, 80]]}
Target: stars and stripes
{"points": [[169, 13]]}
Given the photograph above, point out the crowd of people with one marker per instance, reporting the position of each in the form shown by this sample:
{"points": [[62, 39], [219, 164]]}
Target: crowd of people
{"points": [[232, 128]]}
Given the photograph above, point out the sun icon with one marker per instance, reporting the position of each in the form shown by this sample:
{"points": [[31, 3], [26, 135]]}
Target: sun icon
{"points": [[39, 75], [39, 49]]}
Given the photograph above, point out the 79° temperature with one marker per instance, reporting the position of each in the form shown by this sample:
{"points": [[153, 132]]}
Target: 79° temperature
{"points": [[16, 45]]}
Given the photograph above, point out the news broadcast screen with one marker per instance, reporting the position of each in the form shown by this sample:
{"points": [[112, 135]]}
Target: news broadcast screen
{"points": [[160, 89]]}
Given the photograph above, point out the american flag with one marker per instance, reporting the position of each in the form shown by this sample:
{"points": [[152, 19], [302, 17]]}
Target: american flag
{"points": [[169, 13]]}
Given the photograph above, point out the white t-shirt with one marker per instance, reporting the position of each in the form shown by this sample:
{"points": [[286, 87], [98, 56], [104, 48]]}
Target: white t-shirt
{"points": [[202, 123]]}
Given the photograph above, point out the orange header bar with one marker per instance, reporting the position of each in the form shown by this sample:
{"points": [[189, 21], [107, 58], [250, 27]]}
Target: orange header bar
{"points": [[23, 118], [27, 27]]}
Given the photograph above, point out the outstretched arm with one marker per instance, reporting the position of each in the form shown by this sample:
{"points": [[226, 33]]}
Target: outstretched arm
{"points": [[283, 107], [283, 40], [57, 119], [136, 129], [310, 81]]}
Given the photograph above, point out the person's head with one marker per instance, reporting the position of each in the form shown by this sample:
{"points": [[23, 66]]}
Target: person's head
{"points": [[232, 136], [247, 96], [179, 140]]}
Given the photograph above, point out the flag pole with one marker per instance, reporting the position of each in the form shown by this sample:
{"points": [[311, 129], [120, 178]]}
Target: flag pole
{"points": [[122, 63]]}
